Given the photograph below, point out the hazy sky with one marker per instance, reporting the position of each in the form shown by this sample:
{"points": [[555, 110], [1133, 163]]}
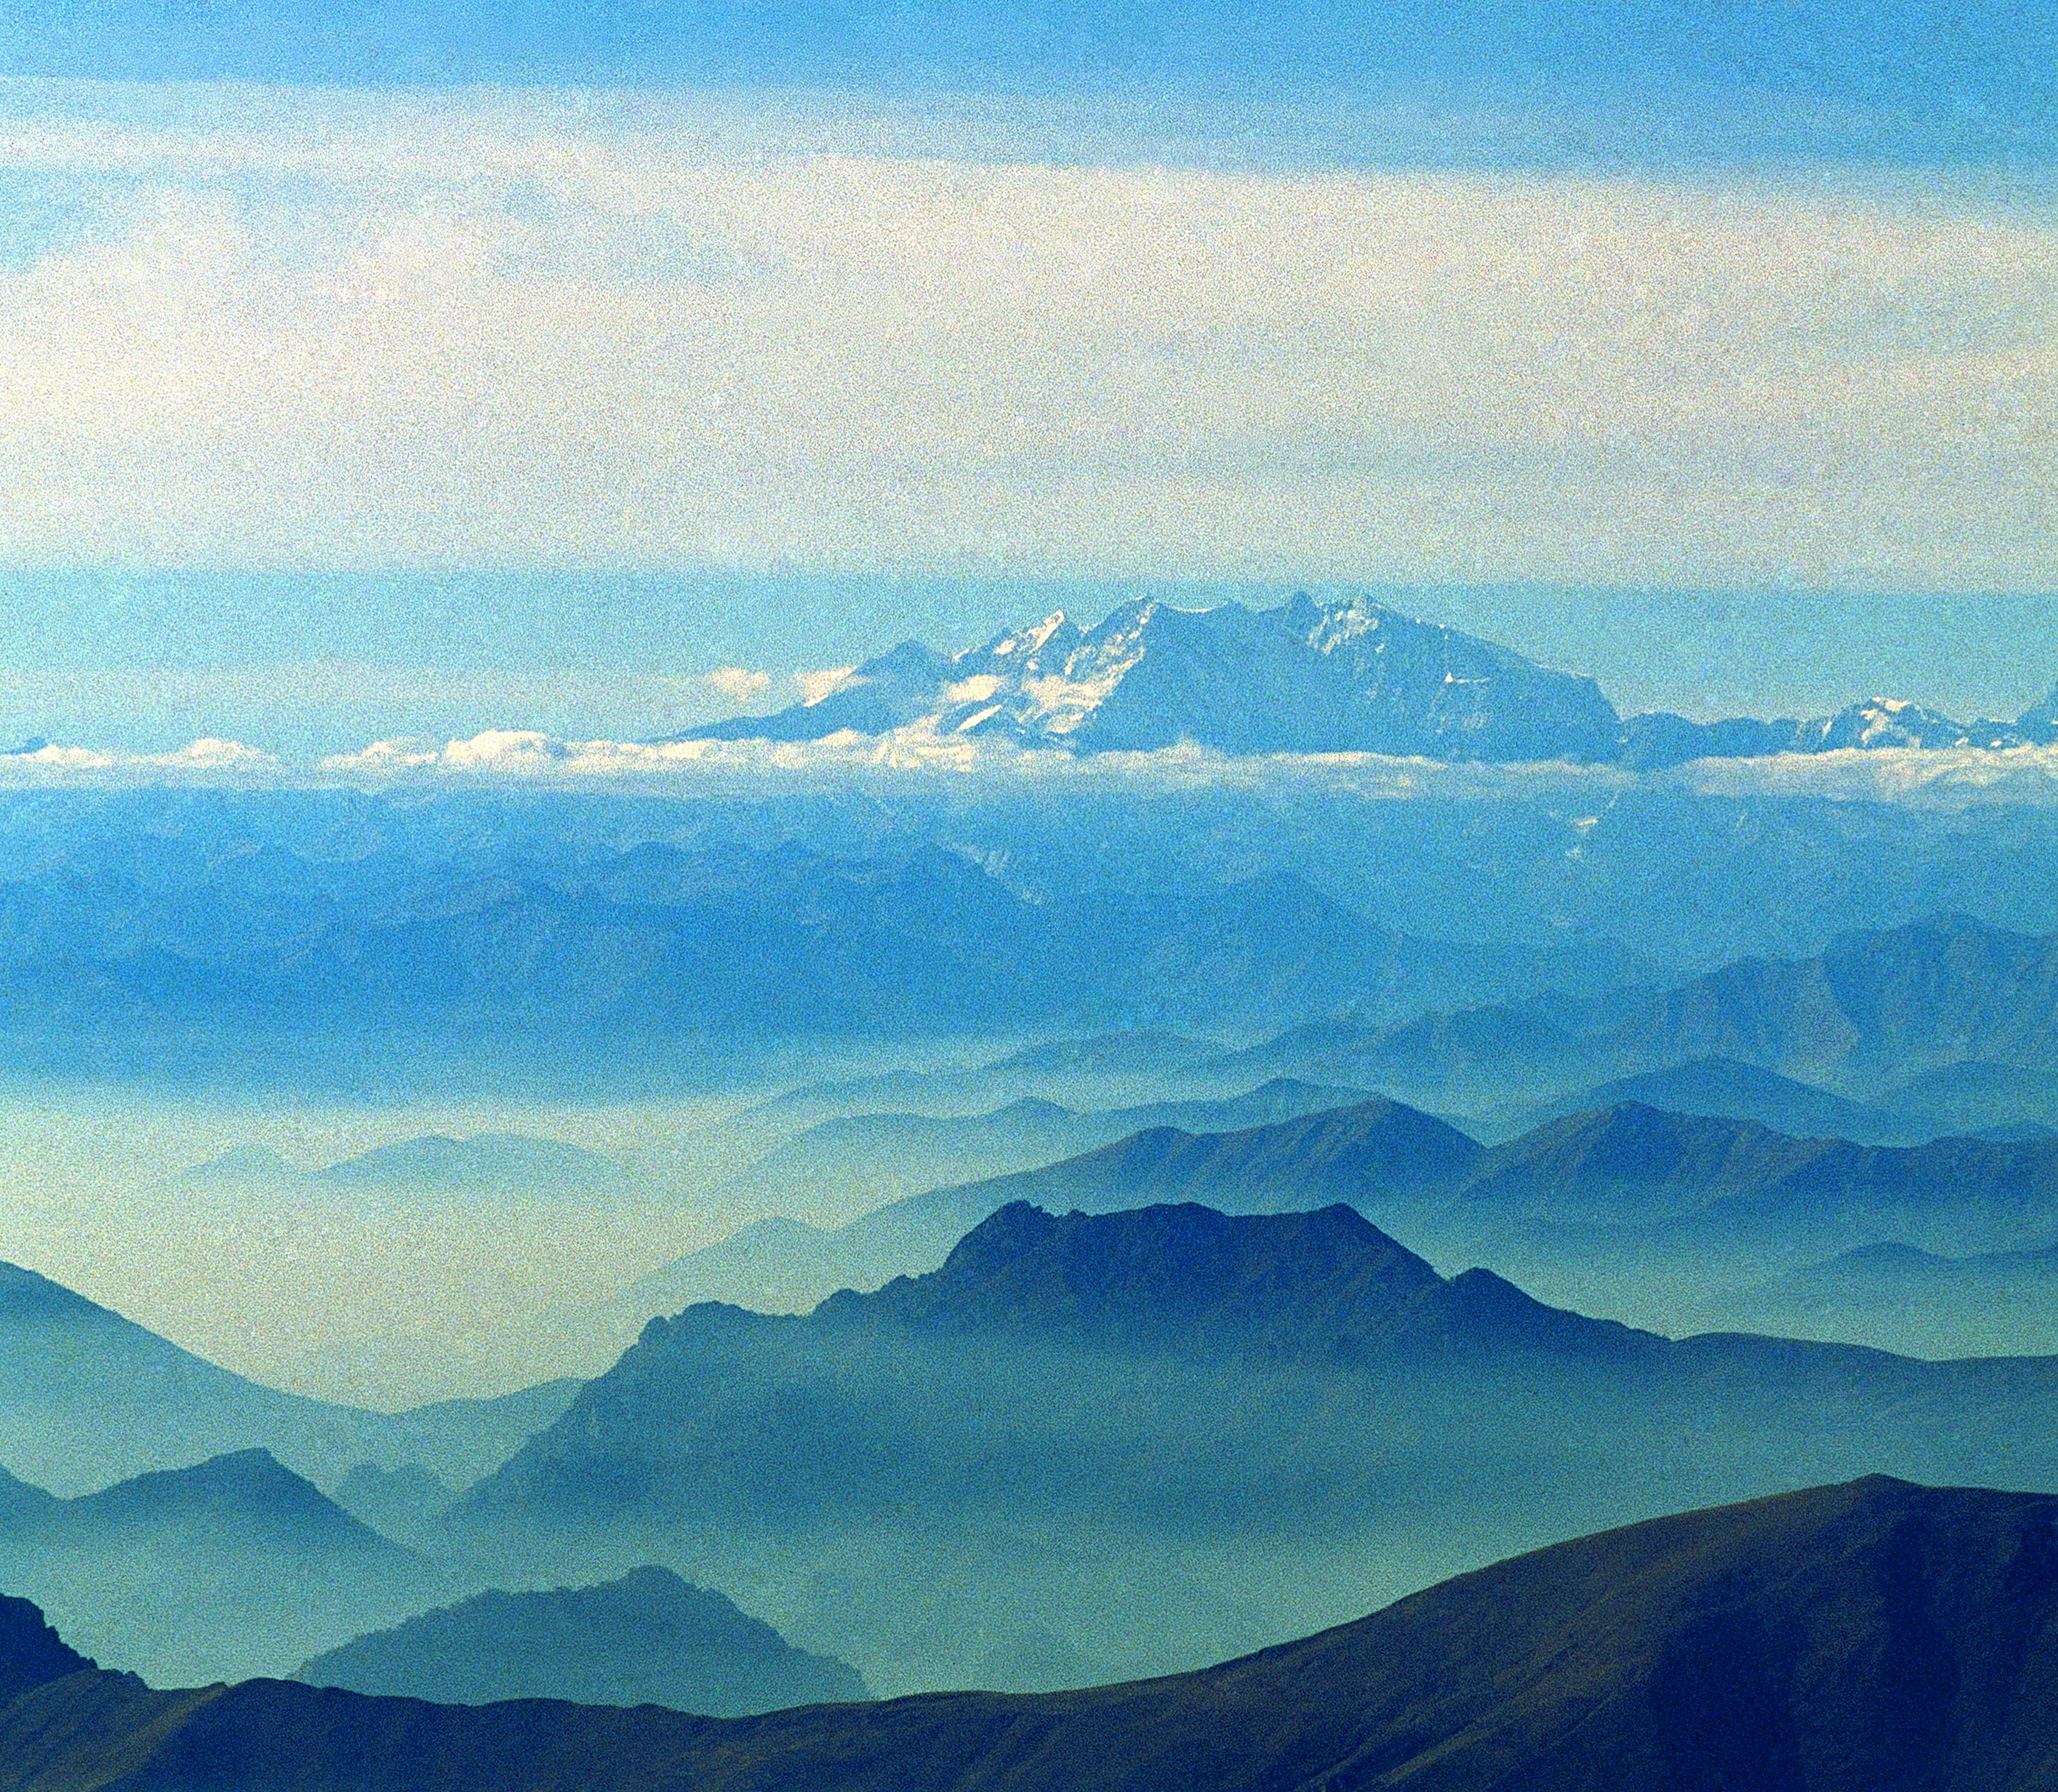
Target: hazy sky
{"points": [[639, 342]]}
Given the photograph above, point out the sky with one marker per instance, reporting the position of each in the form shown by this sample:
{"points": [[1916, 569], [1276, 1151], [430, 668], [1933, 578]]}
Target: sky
{"points": [[599, 368]]}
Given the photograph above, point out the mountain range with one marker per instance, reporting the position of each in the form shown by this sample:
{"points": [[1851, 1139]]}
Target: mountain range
{"points": [[1874, 1011], [231, 1567], [889, 1163], [1724, 1088], [431, 1166], [648, 1639], [87, 1397], [359, 970], [1361, 1153], [1110, 1069], [1155, 1433], [1731, 1196], [1873, 1634], [1339, 675], [1987, 1304], [354, 942]]}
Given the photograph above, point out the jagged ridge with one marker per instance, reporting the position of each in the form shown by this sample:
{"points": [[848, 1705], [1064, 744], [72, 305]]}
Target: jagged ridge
{"points": [[1313, 676]]}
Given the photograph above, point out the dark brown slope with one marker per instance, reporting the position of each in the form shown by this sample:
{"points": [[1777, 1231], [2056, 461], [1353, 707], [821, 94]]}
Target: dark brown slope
{"points": [[1872, 1637]]}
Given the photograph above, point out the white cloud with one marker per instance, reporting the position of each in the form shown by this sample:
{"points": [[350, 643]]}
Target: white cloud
{"points": [[812, 687], [1952, 777], [733, 684], [474, 333], [207, 760], [1955, 776]]}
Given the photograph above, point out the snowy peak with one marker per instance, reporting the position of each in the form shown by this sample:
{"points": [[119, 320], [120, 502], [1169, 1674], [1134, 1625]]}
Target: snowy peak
{"points": [[1027, 652], [1309, 677], [1882, 722], [1313, 675], [1659, 739]]}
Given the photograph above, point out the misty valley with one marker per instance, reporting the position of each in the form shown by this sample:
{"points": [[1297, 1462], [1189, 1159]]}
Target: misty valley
{"points": [[1028, 896], [886, 1283]]}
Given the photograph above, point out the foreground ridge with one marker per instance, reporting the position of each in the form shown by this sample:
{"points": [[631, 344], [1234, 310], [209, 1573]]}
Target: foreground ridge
{"points": [[1872, 1634]]}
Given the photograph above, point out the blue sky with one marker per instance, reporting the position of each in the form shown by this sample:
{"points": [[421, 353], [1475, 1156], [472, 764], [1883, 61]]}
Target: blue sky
{"points": [[1919, 69], [345, 348]]}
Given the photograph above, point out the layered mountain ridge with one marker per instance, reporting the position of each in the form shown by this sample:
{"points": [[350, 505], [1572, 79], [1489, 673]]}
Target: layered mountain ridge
{"points": [[1623, 1164], [647, 1638], [1930, 994], [234, 1565], [1079, 1423], [87, 1397], [1336, 675], [1875, 1634]]}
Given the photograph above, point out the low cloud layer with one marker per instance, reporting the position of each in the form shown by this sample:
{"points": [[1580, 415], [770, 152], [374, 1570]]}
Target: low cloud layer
{"points": [[471, 334], [918, 756]]}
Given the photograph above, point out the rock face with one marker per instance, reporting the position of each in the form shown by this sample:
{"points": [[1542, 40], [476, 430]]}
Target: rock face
{"points": [[1308, 676], [31, 1653], [1876, 1635], [648, 1639]]}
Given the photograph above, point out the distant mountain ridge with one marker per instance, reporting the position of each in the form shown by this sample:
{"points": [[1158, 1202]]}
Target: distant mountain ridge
{"points": [[1336, 675], [905, 1153], [1724, 1088], [744, 940], [1043, 1434], [647, 1638], [1988, 1304], [1877, 1006], [87, 1397], [482, 1161], [232, 1566], [1324, 1287], [1875, 1634], [575, 944], [1355, 1152], [1627, 1167], [430, 1163]]}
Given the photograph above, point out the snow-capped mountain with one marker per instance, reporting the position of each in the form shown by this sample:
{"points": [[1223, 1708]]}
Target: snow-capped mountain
{"points": [[1309, 677], [1314, 676], [1653, 740], [1884, 721]]}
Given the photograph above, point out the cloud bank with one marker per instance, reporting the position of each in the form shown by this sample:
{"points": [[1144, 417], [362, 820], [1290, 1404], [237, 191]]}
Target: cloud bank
{"points": [[469, 333], [1935, 777], [921, 757]]}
